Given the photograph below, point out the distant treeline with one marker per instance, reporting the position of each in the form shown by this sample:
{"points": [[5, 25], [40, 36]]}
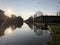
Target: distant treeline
{"points": [[6, 20], [39, 17]]}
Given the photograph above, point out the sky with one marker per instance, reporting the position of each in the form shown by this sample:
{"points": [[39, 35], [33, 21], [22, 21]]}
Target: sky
{"points": [[26, 8]]}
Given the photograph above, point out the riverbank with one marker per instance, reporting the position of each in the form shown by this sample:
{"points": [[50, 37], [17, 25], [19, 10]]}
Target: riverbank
{"points": [[55, 28], [55, 37]]}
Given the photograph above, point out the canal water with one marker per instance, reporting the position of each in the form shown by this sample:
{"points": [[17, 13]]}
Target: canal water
{"points": [[23, 35]]}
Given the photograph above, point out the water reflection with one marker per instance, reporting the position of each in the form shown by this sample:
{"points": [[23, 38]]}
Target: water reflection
{"points": [[28, 34], [9, 28], [38, 29]]}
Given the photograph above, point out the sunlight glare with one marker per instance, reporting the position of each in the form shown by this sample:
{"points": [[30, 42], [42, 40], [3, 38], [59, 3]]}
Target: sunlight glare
{"points": [[9, 12], [9, 31]]}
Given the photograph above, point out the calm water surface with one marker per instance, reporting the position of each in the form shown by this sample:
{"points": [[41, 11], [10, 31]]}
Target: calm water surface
{"points": [[24, 35]]}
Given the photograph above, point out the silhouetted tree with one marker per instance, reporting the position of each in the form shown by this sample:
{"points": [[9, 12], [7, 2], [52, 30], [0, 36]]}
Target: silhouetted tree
{"points": [[3, 17], [13, 16], [5, 22], [58, 13], [30, 19], [18, 21], [38, 13]]}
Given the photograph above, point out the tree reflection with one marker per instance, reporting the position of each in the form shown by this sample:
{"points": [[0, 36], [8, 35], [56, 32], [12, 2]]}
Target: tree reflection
{"points": [[29, 24], [6, 22], [38, 29], [4, 27]]}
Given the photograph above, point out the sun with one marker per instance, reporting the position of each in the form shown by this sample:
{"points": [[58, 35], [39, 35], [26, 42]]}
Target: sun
{"points": [[9, 31], [8, 12]]}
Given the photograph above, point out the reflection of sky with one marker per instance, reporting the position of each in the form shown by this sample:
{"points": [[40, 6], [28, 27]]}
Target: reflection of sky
{"points": [[26, 8], [23, 35]]}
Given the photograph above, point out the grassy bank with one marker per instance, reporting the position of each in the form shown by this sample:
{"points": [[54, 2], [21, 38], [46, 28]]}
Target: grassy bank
{"points": [[55, 39], [54, 28]]}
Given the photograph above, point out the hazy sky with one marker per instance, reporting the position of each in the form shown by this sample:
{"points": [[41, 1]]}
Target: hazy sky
{"points": [[26, 8]]}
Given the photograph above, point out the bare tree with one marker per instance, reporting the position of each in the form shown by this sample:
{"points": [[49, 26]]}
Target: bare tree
{"points": [[38, 13], [58, 13]]}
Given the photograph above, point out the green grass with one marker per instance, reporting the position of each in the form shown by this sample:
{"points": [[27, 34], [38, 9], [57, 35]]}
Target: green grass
{"points": [[55, 39], [55, 28]]}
